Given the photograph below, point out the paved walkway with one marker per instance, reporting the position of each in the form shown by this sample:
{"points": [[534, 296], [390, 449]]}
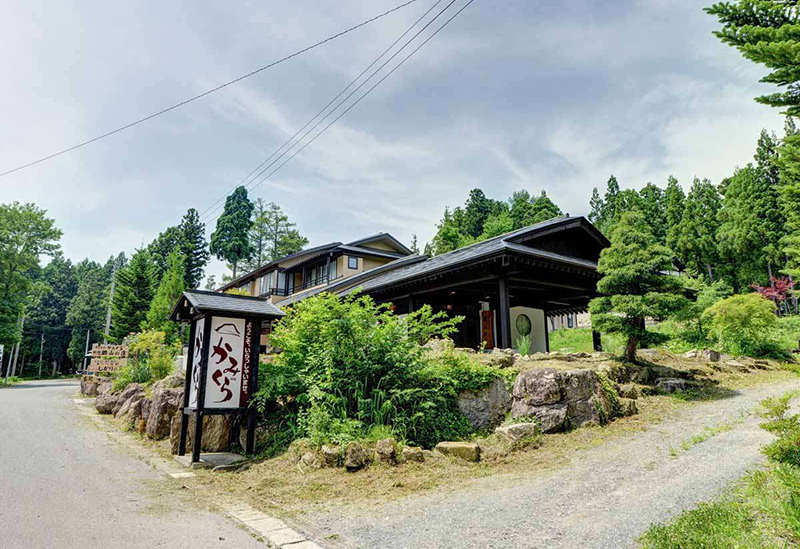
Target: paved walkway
{"points": [[64, 484], [606, 498]]}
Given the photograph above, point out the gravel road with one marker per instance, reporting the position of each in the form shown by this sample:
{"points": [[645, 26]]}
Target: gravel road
{"points": [[606, 498], [65, 484]]}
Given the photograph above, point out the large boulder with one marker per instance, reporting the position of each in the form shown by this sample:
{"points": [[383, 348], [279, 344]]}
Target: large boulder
{"points": [[468, 451], [89, 385], [128, 404], [672, 385], [386, 451], [216, 433], [413, 453], [167, 399], [131, 412], [488, 407], [331, 455], [550, 418], [439, 345], [130, 390], [105, 402], [517, 431], [355, 457], [536, 388], [499, 358]]}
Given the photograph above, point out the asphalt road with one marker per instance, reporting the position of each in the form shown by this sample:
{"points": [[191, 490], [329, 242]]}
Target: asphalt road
{"points": [[64, 484], [605, 499]]}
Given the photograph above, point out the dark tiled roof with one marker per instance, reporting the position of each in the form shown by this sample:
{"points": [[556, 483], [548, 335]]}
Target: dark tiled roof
{"points": [[213, 302], [356, 279], [476, 251]]}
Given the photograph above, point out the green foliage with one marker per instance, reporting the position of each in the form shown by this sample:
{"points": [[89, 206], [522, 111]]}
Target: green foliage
{"points": [[742, 324], [695, 237], [482, 218], [271, 235], [230, 241], [523, 345], [86, 312], [133, 293], [26, 234], [634, 284], [194, 248], [349, 365], [150, 359], [167, 295]]}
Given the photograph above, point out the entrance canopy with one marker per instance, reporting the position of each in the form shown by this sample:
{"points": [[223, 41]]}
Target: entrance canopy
{"points": [[194, 303]]}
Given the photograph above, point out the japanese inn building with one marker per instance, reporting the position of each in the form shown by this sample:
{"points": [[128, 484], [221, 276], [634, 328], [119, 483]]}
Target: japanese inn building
{"points": [[505, 287]]}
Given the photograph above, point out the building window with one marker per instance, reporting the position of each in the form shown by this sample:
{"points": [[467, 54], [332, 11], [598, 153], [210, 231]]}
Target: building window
{"points": [[352, 262], [332, 273]]}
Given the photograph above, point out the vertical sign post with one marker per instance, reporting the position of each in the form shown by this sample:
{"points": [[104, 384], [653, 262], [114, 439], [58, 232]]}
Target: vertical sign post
{"points": [[222, 363]]}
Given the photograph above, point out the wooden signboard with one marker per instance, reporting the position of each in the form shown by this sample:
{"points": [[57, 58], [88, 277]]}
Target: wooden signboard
{"points": [[108, 358]]}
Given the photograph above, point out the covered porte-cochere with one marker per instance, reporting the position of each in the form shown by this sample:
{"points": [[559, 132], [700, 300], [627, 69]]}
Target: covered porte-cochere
{"points": [[506, 287]]}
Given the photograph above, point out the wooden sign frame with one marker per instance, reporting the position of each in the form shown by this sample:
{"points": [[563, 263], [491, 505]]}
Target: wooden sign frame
{"points": [[249, 379]]}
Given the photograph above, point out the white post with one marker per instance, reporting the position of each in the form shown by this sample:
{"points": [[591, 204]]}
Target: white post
{"points": [[86, 349], [2, 348], [41, 352], [16, 350]]}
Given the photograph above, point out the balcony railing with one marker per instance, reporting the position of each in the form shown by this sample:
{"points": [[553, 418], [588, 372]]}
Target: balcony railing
{"points": [[310, 283]]}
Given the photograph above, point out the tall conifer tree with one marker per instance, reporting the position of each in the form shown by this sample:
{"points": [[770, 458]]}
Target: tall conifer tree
{"points": [[133, 293], [230, 241]]}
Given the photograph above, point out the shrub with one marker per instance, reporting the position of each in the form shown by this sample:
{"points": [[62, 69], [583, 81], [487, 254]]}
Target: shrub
{"points": [[150, 359], [742, 325], [786, 449], [524, 345], [350, 369]]}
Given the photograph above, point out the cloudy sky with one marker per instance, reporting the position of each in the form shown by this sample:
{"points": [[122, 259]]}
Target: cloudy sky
{"points": [[545, 95]]}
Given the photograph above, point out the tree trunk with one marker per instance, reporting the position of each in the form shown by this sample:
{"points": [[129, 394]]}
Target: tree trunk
{"points": [[234, 270], [710, 273], [771, 278], [630, 349]]}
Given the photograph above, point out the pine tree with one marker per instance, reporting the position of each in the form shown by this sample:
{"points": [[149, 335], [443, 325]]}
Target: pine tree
{"points": [[609, 211], [211, 283], [652, 205], [272, 235], [87, 311], [674, 199], [789, 165], [230, 241], [133, 293], [596, 207], [194, 248], [634, 284], [476, 211], [695, 238], [521, 212], [414, 244], [168, 293], [496, 225], [160, 248], [765, 32], [544, 209]]}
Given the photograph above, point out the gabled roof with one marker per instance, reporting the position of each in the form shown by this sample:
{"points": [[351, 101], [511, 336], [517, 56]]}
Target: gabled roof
{"points": [[497, 245], [216, 303], [381, 236]]}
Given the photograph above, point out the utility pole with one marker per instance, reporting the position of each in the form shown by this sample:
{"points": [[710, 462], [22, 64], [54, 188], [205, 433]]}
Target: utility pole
{"points": [[86, 350], [16, 349], [110, 300], [41, 352]]}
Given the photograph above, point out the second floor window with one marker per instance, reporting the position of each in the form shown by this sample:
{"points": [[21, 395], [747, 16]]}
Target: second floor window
{"points": [[352, 262]]}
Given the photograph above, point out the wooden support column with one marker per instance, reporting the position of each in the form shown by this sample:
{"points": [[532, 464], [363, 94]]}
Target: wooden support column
{"points": [[201, 393], [187, 387], [504, 311], [597, 342], [411, 303], [546, 335], [328, 270]]}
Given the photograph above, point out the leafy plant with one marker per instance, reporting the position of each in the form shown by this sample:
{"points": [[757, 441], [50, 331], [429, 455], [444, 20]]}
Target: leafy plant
{"points": [[523, 345], [742, 325]]}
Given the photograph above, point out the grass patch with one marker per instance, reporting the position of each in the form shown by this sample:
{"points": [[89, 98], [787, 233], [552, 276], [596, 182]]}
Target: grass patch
{"points": [[699, 438]]}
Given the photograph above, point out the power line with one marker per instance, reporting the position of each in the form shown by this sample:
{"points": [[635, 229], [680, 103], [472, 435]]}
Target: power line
{"points": [[209, 92], [356, 79], [378, 83]]}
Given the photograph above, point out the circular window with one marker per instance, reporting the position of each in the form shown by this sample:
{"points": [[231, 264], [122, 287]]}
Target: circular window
{"points": [[523, 325]]}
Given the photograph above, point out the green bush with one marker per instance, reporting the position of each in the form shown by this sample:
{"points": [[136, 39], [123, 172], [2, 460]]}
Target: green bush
{"points": [[786, 449], [350, 369], [150, 359], [743, 325]]}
